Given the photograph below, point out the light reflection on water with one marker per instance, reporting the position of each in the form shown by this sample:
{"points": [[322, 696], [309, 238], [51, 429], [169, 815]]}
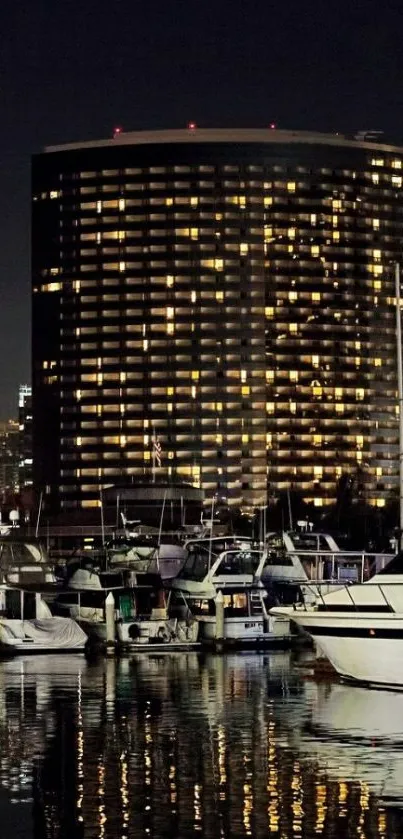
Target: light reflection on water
{"points": [[186, 745]]}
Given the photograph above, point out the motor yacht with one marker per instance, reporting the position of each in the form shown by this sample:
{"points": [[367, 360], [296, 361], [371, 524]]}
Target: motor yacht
{"points": [[233, 568], [305, 565], [142, 614], [359, 627]]}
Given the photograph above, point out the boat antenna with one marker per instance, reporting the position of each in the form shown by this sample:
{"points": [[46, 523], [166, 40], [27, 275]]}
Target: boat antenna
{"points": [[160, 530], [400, 396], [39, 515], [289, 509]]}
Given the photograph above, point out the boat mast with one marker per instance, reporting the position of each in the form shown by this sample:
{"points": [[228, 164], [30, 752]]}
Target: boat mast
{"points": [[400, 396]]}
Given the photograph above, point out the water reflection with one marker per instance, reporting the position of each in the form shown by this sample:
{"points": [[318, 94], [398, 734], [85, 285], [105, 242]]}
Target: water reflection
{"points": [[183, 745]]}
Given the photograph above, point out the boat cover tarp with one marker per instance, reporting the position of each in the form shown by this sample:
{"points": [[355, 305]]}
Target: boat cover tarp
{"points": [[55, 633]]}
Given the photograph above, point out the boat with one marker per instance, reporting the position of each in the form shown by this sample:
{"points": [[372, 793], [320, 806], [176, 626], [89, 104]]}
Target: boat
{"points": [[231, 568], [28, 626], [24, 562], [154, 553], [359, 627], [142, 614], [304, 565]]}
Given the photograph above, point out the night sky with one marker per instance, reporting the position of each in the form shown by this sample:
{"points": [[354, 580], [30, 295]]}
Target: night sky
{"points": [[73, 69]]}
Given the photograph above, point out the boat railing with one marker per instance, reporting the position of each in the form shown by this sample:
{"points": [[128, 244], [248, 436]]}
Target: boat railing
{"points": [[349, 589], [327, 566]]}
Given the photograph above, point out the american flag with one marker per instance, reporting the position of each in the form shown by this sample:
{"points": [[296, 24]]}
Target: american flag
{"points": [[157, 450]]}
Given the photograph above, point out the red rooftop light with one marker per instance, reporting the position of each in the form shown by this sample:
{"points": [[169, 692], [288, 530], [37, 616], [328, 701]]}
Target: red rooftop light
{"points": [[192, 126], [117, 131], [273, 125]]}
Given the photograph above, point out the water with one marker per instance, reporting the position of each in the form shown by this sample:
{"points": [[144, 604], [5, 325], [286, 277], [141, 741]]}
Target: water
{"points": [[184, 745]]}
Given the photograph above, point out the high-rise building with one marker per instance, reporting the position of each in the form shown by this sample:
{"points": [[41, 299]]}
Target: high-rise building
{"points": [[226, 294], [25, 435], [9, 459]]}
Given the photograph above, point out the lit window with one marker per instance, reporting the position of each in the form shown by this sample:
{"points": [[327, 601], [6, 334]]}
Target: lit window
{"points": [[315, 250], [336, 236], [270, 407], [99, 206], [291, 232], [359, 393], [315, 361], [379, 471], [243, 375], [396, 164], [335, 221], [219, 296], [245, 438], [145, 345], [338, 392], [293, 407], [267, 201], [378, 362], [292, 296], [339, 408], [218, 264], [122, 266], [313, 218], [147, 455], [218, 439], [54, 194], [377, 285], [293, 327], [122, 205], [245, 390], [316, 296], [317, 390], [169, 202], [243, 248], [380, 502], [242, 201], [376, 254], [317, 439], [375, 178], [293, 375], [170, 328], [377, 161], [359, 441], [218, 406], [195, 375], [269, 311], [375, 223], [170, 280], [336, 204], [193, 391], [269, 376], [291, 186], [79, 441], [396, 180], [194, 232], [268, 233], [194, 201], [318, 471], [123, 440], [170, 312], [193, 297], [170, 391]]}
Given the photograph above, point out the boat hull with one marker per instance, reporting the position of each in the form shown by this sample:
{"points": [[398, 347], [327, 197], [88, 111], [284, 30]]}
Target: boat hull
{"points": [[246, 630], [366, 649]]}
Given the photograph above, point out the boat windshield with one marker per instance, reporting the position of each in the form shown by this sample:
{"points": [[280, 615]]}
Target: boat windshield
{"points": [[239, 562], [395, 566], [196, 566]]}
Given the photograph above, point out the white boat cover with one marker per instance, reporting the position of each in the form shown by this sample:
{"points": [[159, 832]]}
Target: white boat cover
{"points": [[49, 633]]}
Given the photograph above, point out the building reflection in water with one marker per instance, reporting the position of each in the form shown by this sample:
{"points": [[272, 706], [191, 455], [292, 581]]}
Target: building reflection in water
{"points": [[182, 745]]}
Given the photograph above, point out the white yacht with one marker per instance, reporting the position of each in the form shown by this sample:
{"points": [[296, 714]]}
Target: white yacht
{"points": [[27, 625], [306, 565], [359, 627], [232, 567], [142, 614]]}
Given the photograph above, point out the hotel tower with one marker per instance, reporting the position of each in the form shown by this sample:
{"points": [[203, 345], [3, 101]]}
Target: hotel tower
{"points": [[226, 293]]}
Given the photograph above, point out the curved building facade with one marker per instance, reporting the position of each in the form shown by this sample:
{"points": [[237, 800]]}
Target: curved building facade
{"points": [[229, 293]]}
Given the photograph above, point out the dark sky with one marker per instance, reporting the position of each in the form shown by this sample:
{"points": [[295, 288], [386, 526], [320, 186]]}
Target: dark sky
{"points": [[72, 69]]}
